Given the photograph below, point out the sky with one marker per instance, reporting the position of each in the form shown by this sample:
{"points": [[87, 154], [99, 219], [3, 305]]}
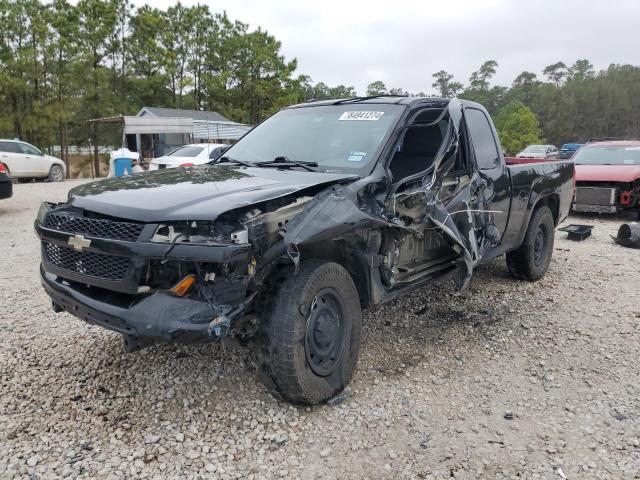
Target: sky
{"points": [[404, 42]]}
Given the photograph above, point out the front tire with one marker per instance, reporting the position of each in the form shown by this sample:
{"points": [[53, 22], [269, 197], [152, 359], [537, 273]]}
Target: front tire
{"points": [[531, 260], [310, 335], [56, 174]]}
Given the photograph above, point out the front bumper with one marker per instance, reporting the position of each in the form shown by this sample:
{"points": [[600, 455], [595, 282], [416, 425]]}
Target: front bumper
{"points": [[155, 318], [136, 254]]}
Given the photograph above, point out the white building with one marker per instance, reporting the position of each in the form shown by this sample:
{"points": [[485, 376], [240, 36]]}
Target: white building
{"points": [[196, 126]]}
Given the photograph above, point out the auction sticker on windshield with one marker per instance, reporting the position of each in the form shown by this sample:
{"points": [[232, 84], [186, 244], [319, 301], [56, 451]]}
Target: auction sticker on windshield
{"points": [[361, 115]]}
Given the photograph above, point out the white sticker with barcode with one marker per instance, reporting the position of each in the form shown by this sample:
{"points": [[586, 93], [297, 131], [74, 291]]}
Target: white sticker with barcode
{"points": [[361, 115]]}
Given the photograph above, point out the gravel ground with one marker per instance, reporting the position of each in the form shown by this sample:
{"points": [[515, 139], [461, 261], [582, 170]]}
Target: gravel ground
{"points": [[504, 380]]}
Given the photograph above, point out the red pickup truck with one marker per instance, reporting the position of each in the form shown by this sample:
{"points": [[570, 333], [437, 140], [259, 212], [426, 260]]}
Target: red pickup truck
{"points": [[608, 176]]}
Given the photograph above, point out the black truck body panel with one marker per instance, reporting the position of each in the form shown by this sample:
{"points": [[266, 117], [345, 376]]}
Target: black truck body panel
{"points": [[234, 227]]}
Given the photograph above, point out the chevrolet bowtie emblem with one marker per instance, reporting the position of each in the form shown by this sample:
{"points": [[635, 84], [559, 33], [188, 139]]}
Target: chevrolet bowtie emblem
{"points": [[78, 242]]}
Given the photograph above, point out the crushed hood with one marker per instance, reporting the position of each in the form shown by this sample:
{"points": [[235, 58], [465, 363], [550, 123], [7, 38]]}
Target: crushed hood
{"points": [[198, 193], [607, 173]]}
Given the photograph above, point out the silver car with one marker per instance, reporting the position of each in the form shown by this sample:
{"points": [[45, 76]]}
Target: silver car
{"points": [[539, 151]]}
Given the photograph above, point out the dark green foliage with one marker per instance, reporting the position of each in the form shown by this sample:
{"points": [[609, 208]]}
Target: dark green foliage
{"points": [[376, 88], [574, 105], [64, 62], [517, 127]]}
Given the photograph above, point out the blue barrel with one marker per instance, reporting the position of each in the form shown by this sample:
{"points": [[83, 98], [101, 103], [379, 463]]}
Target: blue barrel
{"points": [[122, 165]]}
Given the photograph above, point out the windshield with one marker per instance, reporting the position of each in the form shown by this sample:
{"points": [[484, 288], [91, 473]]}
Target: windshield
{"points": [[186, 151], [618, 155], [535, 149], [339, 138]]}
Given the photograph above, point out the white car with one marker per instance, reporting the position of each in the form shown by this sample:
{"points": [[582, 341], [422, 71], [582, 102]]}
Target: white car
{"points": [[188, 155], [23, 160]]}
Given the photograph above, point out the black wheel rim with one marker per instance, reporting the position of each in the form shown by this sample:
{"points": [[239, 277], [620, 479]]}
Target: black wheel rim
{"points": [[540, 245], [324, 338]]}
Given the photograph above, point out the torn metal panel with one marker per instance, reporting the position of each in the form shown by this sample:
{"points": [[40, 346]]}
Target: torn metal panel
{"points": [[340, 209]]}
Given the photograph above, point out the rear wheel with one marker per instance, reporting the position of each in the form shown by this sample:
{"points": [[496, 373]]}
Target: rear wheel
{"points": [[56, 174], [310, 335], [531, 260]]}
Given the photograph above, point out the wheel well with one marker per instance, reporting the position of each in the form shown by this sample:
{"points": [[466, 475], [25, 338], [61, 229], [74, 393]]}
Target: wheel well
{"points": [[343, 253], [553, 202]]}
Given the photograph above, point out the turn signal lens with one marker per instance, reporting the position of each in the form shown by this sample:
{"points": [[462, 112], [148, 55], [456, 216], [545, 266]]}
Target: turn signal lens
{"points": [[183, 286]]}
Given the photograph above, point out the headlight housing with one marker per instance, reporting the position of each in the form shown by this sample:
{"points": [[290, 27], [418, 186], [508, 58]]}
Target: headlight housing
{"points": [[44, 209], [200, 233]]}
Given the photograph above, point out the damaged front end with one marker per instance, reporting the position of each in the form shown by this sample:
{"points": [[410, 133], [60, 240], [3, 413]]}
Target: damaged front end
{"points": [[183, 282]]}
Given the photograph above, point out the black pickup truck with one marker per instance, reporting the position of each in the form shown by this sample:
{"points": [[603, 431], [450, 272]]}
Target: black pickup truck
{"points": [[322, 210]]}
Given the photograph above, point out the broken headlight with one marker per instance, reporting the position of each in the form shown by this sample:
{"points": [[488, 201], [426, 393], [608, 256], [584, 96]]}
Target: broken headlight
{"points": [[200, 233]]}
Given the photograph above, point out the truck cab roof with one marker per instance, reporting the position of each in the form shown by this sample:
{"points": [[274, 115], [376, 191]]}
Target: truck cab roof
{"points": [[411, 102], [382, 99]]}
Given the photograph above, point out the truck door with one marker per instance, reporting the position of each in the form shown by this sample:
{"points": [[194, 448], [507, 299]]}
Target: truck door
{"points": [[491, 188]]}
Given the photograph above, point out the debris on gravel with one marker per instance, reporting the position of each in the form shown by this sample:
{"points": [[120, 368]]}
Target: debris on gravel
{"points": [[439, 372]]}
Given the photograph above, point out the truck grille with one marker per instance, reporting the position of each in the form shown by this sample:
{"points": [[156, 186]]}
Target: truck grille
{"points": [[107, 267], [595, 196], [94, 227]]}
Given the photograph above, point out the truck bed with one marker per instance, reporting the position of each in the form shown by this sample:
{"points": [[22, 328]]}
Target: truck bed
{"points": [[530, 181]]}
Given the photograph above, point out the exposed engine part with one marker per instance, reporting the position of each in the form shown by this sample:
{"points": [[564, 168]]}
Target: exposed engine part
{"points": [[240, 236], [271, 222]]}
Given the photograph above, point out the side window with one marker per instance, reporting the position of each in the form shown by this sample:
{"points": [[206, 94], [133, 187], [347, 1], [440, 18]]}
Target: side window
{"points": [[416, 152], [28, 149], [484, 144], [11, 147]]}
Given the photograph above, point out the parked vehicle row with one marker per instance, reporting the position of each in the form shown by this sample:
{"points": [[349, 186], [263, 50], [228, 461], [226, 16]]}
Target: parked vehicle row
{"points": [[539, 152], [544, 153], [24, 161]]}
